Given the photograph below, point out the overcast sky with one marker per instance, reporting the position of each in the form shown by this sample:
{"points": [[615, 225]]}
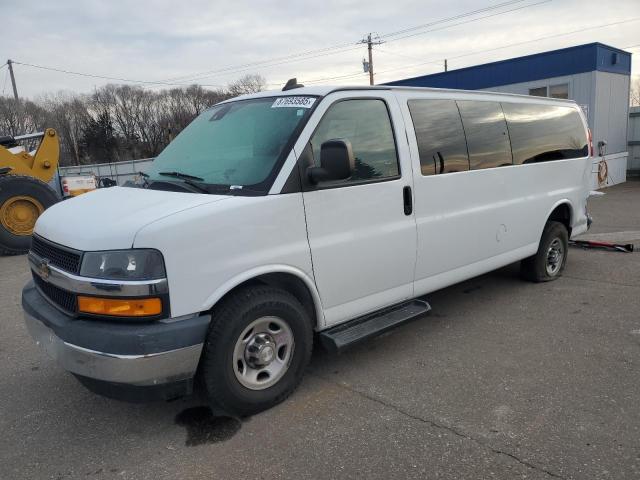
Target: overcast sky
{"points": [[175, 41]]}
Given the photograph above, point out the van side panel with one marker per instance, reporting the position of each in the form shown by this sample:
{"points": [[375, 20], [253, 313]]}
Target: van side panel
{"points": [[475, 221], [474, 217]]}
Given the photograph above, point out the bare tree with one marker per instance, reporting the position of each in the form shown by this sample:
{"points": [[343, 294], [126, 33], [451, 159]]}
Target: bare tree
{"points": [[634, 91], [18, 117], [183, 105], [250, 83], [68, 114], [116, 122]]}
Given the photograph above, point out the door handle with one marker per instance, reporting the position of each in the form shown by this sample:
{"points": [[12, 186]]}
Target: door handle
{"points": [[408, 200]]}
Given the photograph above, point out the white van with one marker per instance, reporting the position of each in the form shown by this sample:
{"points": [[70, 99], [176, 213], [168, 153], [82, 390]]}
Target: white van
{"points": [[280, 214]]}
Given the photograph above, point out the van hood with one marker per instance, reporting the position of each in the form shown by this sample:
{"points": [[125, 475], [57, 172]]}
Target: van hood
{"points": [[109, 218]]}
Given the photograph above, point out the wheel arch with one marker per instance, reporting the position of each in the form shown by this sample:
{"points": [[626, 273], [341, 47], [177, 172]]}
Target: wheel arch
{"points": [[288, 278], [562, 212]]}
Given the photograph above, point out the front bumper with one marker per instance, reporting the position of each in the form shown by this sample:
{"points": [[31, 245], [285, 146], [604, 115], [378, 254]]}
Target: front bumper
{"points": [[117, 354]]}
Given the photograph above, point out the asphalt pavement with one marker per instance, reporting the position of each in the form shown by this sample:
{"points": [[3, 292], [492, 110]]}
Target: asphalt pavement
{"points": [[503, 379]]}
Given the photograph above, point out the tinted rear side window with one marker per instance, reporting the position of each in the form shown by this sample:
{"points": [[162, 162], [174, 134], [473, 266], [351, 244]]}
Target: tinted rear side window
{"points": [[486, 132], [440, 136], [540, 133]]}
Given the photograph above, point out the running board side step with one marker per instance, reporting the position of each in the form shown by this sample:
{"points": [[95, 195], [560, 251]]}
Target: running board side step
{"points": [[342, 336]]}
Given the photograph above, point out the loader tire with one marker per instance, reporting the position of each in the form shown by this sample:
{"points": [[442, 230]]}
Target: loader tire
{"points": [[22, 200]]}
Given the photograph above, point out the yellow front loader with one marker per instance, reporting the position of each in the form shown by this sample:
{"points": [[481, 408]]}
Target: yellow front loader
{"points": [[24, 189]]}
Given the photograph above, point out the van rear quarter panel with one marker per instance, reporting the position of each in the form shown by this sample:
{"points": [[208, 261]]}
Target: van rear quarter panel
{"points": [[475, 217], [208, 250]]}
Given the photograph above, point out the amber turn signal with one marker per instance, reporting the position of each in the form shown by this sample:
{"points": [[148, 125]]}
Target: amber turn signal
{"points": [[139, 307]]}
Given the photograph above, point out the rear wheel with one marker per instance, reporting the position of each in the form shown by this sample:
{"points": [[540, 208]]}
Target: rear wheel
{"points": [[549, 262], [22, 201], [256, 350]]}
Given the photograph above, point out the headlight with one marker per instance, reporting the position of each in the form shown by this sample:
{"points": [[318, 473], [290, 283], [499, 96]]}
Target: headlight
{"points": [[123, 265]]}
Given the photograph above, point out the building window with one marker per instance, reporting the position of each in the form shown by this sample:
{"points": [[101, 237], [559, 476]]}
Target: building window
{"points": [[538, 91], [559, 91]]}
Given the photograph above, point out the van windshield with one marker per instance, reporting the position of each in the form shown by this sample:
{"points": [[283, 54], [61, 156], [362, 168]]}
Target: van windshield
{"points": [[233, 145]]}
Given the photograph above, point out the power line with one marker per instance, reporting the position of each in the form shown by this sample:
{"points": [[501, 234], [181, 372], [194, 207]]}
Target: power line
{"points": [[412, 57], [449, 26], [186, 82], [469, 21], [342, 48], [305, 55], [448, 19], [635, 19], [90, 75], [265, 65], [526, 42], [324, 79], [246, 66]]}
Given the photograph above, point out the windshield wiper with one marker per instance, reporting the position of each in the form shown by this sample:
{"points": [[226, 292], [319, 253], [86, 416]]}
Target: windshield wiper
{"points": [[181, 175], [188, 179]]}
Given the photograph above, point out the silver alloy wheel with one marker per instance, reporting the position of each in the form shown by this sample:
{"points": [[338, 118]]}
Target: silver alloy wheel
{"points": [[555, 257], [263, 352]]}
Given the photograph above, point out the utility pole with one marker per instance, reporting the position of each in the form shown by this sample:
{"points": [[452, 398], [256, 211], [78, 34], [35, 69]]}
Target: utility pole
{"points": [[369, 47], [445, 64], [370, 43], [13, 79]]}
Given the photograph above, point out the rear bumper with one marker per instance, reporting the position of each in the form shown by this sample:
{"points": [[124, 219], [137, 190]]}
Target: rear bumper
{"points": [[118, 354]]}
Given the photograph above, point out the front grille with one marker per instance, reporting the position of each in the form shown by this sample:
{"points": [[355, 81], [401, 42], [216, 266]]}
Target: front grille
{"points": [[61, 257], [62, 298]]}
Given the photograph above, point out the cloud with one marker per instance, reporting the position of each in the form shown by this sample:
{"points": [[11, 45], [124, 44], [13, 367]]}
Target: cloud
{"points": [[160, 40]]}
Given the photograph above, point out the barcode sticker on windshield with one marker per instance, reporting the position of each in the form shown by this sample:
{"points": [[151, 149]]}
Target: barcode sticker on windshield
{"points": [[295, 102]]}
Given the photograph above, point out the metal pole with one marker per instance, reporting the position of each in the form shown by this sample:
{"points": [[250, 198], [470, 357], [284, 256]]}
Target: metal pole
{"points": [[445, 64], [370, 60], [13, 79]]}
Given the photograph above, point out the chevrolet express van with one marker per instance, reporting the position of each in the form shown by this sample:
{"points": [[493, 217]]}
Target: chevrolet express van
{"points": [[279, 214]]}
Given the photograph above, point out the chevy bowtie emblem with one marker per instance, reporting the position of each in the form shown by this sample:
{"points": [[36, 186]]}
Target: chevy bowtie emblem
{"points": [[44, 269]]}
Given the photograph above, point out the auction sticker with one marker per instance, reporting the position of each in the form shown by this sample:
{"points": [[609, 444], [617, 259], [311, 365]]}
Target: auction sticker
{"points": [[295, 102]]}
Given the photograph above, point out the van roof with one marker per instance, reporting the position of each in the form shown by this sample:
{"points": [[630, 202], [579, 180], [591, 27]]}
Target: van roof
{"points": [[325, 90]]}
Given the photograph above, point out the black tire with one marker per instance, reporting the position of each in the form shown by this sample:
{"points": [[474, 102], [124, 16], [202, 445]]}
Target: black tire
{"points": [[535, 268], [230, 319], [19, 185]]}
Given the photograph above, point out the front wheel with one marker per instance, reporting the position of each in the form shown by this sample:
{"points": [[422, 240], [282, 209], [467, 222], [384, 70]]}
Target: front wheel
{"points": [[549, 262], [256, 350]]}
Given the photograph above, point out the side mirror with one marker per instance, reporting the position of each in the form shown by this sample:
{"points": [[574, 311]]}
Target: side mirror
{"points": [[336, 162]]}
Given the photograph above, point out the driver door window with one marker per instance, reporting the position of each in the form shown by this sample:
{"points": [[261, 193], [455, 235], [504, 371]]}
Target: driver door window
{"points": [[367, 126]]}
